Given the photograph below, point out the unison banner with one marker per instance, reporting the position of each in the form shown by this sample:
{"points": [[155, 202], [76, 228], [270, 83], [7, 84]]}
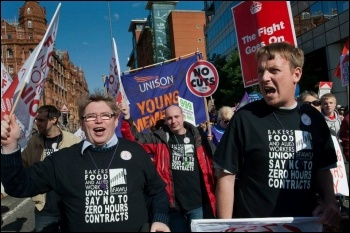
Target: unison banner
{"points": [[151, 90]]}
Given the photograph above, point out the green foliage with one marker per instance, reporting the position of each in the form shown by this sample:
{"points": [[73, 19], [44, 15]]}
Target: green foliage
{"points": [[231, 88]]}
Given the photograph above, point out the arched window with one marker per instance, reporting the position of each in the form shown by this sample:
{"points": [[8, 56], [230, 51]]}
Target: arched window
{"points": [[30, 24], [9, 53], [28, 10]]}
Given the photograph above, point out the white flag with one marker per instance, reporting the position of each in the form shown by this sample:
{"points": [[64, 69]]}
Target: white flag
{"points": [[80, 133], [32, 78], [113, 83]]}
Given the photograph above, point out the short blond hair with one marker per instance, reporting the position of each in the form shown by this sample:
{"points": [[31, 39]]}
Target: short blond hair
{"points": [[328, 96], [225, 112]]}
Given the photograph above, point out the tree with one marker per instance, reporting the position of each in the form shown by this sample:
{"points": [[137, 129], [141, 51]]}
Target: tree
{"points": [[231, 88]]}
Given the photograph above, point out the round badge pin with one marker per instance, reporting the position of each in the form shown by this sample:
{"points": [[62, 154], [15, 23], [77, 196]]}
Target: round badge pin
{"points": [[186, 140], [126, 155], [305, 119]]}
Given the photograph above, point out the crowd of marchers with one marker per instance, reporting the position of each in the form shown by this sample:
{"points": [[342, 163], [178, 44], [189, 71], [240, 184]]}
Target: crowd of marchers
{"points": [[231, 167]]}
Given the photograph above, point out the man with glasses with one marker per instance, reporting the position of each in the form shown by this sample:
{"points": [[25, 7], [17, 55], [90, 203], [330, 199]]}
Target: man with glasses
{"points": [[224, 116], [103, 181]]}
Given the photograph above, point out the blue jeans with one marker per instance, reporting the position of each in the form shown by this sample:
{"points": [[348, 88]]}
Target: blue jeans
{"points": [[46, 223], [181, 222]]}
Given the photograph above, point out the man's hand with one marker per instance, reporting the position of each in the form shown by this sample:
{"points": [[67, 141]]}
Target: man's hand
{"points": [[159, 226], [329, 214], [10, 134], [125, 109]]}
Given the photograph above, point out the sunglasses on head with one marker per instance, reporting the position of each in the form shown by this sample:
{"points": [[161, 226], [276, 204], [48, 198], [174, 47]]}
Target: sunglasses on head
{"points": [[314, 103]]}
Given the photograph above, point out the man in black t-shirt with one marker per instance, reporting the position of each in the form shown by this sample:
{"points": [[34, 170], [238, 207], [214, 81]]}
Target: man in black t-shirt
{"points": [[275, 156], [183, 158], [50, 138]]}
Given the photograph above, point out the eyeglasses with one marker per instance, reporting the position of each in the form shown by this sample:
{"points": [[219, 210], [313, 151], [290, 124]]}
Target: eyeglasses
{"points": [[93, 116], [314, 103]]}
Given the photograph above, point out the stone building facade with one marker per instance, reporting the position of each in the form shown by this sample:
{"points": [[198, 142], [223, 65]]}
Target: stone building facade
{"points": [[65, 83]]}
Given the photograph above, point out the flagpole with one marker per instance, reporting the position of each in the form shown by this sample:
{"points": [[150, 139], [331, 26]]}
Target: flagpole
{"points": [[144, 67], [110, 24], [205, 105]]}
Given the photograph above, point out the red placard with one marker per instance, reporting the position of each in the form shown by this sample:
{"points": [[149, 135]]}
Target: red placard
{"points": [[258, 24]]}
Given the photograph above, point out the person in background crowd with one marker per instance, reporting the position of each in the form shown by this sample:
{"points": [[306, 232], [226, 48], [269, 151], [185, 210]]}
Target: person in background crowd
{"points": [[224, 115], [341, 111], [344, 141], [102, 181], [183, 158], [159, 124], [344, 134], [310, 97], [48, 139], [213, 115], [204, 126], [266, 143], [329, 103]]}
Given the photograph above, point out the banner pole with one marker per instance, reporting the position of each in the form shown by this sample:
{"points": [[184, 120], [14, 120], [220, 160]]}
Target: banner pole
{"points": [[207, 116], [205, 104], [130, 71]]}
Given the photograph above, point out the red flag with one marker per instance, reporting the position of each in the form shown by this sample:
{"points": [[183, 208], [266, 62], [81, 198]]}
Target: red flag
{"points": [[345, 51], [6, 80]]}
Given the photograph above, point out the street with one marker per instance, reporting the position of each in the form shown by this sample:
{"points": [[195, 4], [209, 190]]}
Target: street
{"points": [[17, 214]]}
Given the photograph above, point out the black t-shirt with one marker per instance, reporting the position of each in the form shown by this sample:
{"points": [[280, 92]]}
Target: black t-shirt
{"points": [[186, 173], [275, 154], [51, 144], [53, 205], [121, 206]]}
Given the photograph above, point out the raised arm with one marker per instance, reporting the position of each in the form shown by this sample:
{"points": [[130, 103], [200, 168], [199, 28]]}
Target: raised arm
{"points": [[10, 134]]}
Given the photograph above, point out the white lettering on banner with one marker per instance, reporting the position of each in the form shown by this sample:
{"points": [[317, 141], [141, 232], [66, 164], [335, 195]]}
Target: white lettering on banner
{"points": [[162, 83], [261, 32], [270, 30]]}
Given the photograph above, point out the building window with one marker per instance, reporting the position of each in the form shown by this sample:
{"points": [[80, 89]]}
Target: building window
{"points": [[30, 37], [305, 15], [9, 53], [28, 10], [10, 69], [9, 36], [30, 51], [199, 39], [30, 24]]}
